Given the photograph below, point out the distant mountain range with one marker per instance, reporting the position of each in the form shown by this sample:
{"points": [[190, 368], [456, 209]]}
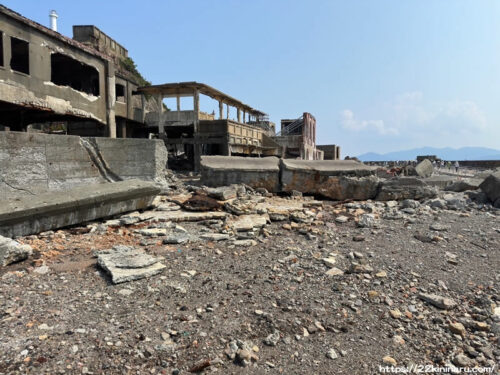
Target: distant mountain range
{"points": [[464, 153]]}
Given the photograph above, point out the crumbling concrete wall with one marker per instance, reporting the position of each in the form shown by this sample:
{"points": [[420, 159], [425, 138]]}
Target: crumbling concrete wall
{"points": [[227, 170], [33, 163]]}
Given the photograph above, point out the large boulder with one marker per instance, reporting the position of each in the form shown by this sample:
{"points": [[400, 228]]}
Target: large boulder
{"points": [[464, 185], [333, 179], [424, 168], [491, 187], [12, 251], [400, 188]]}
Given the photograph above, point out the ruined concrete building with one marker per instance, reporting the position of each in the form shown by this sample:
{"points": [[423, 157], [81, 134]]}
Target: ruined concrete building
{"points": [[82, 83], [193, 133], [297, 138]]}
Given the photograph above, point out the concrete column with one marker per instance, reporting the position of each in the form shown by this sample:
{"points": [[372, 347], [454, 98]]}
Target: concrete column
{"points": [[238, 113], [143, 108], [227, 111], [178, 103], [244, 117], [196, 109], [124, 128], [161, 129], [221, 109], [111, 99]]}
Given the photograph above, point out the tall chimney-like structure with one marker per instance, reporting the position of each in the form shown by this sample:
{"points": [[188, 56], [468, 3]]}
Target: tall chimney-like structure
{"points": [[53, 20]]}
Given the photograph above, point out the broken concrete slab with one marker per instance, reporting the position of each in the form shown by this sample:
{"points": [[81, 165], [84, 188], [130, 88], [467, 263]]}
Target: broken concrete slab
{"points": [[440, 181], [491, 186], [12, 251], [227, 170], [334, 179], [125, 263], [400, 188], [424, 168], [34, 214], [179, 216], [215, 236], [464, 185], [246, 223], [224, 193]]}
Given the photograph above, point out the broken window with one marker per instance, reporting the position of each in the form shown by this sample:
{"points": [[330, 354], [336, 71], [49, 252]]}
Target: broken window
{"points": [[66, 71], [20, 52], [120, 92], [1, 48]]}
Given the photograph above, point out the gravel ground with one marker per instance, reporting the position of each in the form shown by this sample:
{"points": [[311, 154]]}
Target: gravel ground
{"points": [[267, 308]]}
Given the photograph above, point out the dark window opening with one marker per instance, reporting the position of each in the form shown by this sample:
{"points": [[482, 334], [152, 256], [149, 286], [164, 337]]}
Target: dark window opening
{"points": [[120, 92], [1, 48], [66, 71], [20, 60]]}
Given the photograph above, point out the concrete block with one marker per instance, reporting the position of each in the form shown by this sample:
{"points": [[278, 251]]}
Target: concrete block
{"points": [[34, 214], [334, 179], [424, 168], [491, 187], [400, 188], [227, 170]]}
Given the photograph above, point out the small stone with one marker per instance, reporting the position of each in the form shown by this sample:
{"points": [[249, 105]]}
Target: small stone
{"points": [[341, 219], [332, 354], [334, 272], [125, 292], [398, 340], [272, 339], [396, 314], [388, 360], [481, 326], [329, 262], [259, 312], [381, 274], [458, 329]]}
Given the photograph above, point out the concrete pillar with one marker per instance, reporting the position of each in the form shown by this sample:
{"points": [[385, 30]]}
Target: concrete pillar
{"points": [[111, 99], [238, 112], [161, 129], [221, 109], [178, 103], [227, 111], [244, 117], [123, 124], [143, 108], [196, 109]]}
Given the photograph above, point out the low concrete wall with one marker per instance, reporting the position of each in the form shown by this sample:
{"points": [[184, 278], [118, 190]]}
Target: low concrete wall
{"points": [[35, 214], [334, 179], [227, 170], [34, 163]]}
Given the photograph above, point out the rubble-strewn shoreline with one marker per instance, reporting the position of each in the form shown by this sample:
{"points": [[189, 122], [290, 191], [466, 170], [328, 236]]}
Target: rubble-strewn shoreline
{"points": [[258, 283]]}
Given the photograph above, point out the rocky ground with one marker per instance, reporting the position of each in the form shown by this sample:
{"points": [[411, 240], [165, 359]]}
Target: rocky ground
{"points": [[261, 284]]}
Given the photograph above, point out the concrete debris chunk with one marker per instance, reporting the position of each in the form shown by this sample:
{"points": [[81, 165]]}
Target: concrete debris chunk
{"points": [[12, 251], [491, 187], [440, 302], [405, 188], [424, 168], [125, 263]]}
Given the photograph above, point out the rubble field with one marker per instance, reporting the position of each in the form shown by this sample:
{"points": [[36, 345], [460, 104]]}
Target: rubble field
{"points": [[240, 281]]}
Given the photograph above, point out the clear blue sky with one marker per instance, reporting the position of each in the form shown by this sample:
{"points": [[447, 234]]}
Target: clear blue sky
{"points": [[378, 76]]}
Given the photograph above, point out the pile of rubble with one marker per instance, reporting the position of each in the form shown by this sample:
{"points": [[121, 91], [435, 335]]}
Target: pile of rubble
{"points": [[240, 279]]}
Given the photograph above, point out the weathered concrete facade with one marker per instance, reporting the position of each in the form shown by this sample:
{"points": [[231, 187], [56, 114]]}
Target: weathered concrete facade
{"points": [[32, 163], [46, 77], [297, 138]]}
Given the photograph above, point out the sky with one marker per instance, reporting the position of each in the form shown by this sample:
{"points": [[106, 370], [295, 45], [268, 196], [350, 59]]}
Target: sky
{"points": [[378, 76]]}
